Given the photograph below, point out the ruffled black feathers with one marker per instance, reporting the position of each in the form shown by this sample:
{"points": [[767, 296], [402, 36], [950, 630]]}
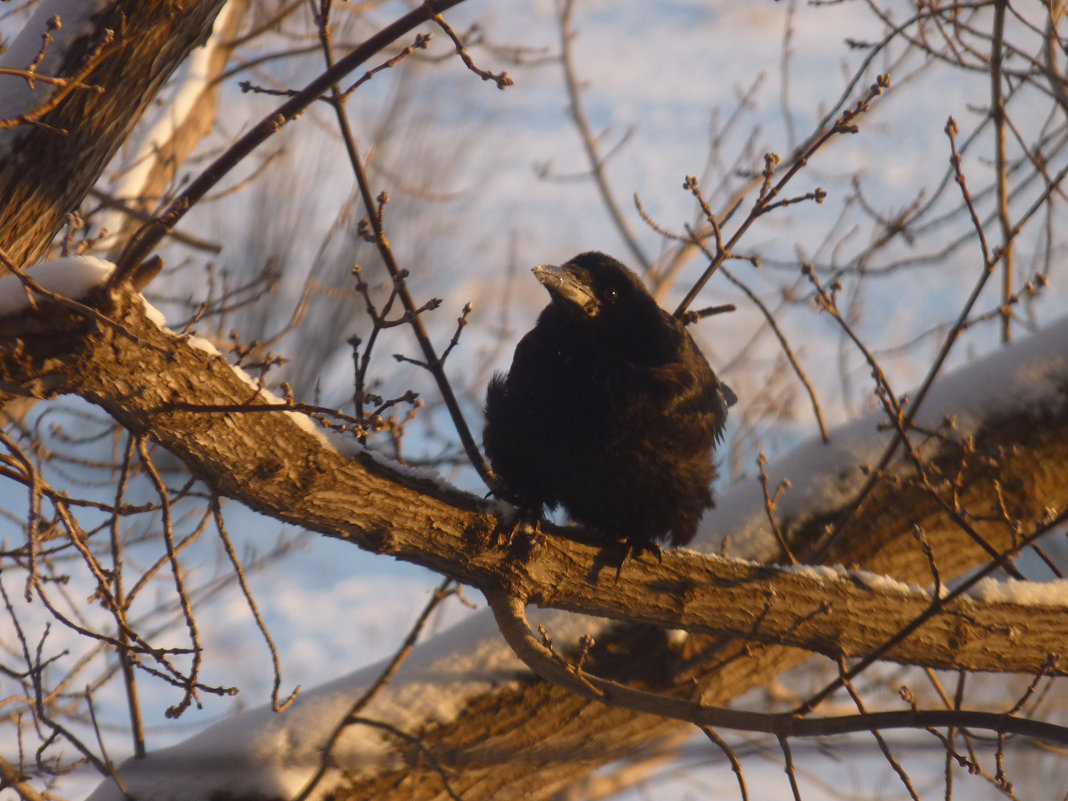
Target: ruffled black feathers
{"points": [[609, 409]]}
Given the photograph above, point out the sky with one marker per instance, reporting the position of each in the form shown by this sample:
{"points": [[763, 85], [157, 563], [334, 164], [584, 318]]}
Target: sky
{"points": [[267, 753], [659, 77]]}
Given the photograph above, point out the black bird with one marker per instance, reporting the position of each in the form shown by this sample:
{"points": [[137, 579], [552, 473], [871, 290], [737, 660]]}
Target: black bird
{"points": [[609, 409]]}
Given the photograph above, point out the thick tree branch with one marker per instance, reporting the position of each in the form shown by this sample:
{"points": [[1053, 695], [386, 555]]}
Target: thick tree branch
{"points": [[153, 382], [543, 660], [148, 41], [188, 398]]}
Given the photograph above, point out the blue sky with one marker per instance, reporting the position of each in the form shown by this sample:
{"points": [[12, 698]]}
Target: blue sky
{"points": [[664, 72]]}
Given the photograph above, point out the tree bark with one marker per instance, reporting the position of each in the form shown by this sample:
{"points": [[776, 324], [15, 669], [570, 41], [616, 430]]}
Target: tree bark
{"points": [[194, 404], [525, 740], [48, 168]]}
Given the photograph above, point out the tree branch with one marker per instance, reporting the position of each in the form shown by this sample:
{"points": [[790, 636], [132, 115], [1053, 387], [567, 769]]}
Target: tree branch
{"points": [[543, 660], [148, 43], [278, 464]]}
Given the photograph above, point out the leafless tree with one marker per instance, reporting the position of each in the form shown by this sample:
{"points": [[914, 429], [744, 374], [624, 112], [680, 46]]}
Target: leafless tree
{"points": [[128, 445]]}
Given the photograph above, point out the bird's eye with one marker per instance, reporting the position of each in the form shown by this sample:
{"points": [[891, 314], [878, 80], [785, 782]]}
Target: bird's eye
{"points": [[611, 296]]}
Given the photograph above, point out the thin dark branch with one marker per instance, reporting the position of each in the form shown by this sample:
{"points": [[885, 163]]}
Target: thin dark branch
{"points": [[150, 234], [510, 615], [589, 141], [351, 717]]}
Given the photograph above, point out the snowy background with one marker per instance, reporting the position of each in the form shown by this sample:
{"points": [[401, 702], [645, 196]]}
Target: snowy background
{"points": [[495, 186]]}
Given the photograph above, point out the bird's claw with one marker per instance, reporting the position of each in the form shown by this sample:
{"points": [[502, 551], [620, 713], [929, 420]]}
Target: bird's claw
{"points": [[636, 549], [516, 533], [616, 552]]}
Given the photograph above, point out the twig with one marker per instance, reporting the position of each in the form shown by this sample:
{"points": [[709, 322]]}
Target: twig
{"points": [[276, 705], [766, 200], [32, 479], [129, 675], [997, 112], [728, 752], [11, 777], [179, 584], [879, 739], [381, 241], [461, 321], [435, 763], [351, 716], [1030, 691], [502, 79], [788, 766], [35, 668], [66, 87], [100, 739], [589, 141], [774, 325], [691, 317], [771, 501], [510, 614]]}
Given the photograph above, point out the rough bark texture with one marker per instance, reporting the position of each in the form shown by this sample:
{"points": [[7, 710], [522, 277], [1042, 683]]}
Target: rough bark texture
{"points": [[195, 405], [526, 742], [168, 156], [47, 173], [513, 743]]}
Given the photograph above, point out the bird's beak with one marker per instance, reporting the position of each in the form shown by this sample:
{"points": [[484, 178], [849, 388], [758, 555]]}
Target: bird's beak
{"points": [[571, 284]]}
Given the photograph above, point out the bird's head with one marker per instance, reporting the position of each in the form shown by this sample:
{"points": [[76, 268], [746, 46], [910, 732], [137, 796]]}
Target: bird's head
{"points": [[611, 303]]}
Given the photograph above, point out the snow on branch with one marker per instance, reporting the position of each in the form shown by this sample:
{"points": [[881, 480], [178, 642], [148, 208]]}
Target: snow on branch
{"points": [[193, 402], [27, 68]]}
